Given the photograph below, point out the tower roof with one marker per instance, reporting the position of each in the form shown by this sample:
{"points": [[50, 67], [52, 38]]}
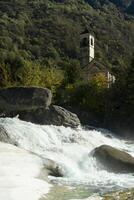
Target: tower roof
{"points": [[85, 31]]}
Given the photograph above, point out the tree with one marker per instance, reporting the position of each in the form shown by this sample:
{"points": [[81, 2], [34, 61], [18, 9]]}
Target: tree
{"points": [[5, 76], [29, 74], [52, 78]]}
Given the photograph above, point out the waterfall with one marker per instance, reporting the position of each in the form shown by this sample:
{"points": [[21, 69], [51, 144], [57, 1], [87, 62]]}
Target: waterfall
{"points": [[70, 149]]}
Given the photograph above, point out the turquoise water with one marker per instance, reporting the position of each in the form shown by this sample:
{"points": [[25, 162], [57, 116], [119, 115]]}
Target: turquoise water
{"points": [[66, 193]]}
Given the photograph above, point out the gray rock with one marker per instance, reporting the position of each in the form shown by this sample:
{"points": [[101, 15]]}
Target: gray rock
{"points": [[53, 168], [54, 115], [61, 116], [114, 160], [33, 104], [4, 135], [124, 194], [22, 98]]}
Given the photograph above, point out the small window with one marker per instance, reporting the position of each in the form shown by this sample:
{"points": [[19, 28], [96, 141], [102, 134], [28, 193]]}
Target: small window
{"points": [[84, 42], [92, 42]]}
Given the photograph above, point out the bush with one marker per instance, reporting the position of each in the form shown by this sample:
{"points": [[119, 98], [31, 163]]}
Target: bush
{"points": [[52, 78], [5, 76], [29, 74]]}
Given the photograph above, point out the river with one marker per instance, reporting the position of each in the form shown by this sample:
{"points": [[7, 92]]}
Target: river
{"points": [[71, 150]]}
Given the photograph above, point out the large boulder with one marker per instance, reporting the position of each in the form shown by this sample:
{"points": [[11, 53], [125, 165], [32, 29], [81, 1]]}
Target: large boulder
{"points": [[24, 98], [114, 160], [33, 104], [61, 116], [54, 115]]}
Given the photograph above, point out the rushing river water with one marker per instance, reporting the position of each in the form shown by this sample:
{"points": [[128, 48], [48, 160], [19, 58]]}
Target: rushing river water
{"points": [[71, 150]]}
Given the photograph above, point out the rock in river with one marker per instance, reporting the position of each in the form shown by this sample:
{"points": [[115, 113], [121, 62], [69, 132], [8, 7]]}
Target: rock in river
{"points": [[114, 160], [54, 115], [33, 104]]}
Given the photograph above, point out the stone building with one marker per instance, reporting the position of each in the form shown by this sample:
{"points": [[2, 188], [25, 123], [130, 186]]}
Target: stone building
{"points": [[87, 59], [87, 43]]}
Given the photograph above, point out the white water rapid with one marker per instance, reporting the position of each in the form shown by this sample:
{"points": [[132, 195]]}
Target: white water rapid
{"points": [[70, 149]]}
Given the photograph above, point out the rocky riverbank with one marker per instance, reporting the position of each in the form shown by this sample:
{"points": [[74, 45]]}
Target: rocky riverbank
{"points": [[120, 195]]}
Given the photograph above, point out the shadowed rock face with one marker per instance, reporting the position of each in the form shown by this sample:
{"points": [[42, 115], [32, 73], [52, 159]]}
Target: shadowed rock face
{"points": [[61, 116], [20, 98], [114, 160], [54, 115], [33, 104]]}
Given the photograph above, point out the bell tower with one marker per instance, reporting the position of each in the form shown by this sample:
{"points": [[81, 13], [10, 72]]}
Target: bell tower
{"points": [[86, 48]]}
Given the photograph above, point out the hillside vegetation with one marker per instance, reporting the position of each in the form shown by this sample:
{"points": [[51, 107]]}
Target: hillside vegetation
{"points": [[39, 45]]}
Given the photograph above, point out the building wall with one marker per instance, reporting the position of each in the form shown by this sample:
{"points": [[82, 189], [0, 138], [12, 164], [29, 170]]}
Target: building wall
{"points": [[84, 56], [91, 54], [86, 49]]}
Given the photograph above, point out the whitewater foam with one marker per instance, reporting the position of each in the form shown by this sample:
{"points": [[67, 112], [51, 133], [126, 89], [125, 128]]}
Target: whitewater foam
{"points": [[71, 150], [18, 174]]}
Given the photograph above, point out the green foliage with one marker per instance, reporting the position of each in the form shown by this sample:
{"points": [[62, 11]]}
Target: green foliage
{"points": [[5, 77], [52, 78], [50, 29], [29, 74], [121, 99], [73, 71], [99, 82], [39, 45], [89, 96]]}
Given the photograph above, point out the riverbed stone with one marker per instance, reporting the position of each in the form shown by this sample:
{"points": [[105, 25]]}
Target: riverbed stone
{"points": [[127, 194], [114, 160], [53, 168]]}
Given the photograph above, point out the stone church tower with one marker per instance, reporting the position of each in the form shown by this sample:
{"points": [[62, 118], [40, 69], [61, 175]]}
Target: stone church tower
{"points": [[86, 48]]}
